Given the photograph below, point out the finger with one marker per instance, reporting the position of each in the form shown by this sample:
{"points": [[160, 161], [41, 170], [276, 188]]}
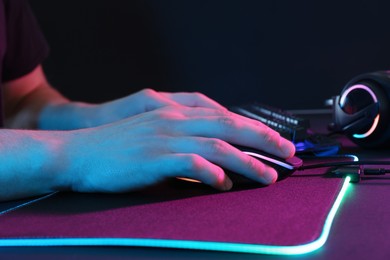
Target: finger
{"points": [[193, 100], [224, 155], [142, 101], [193, 112], [154, 100], [235, 129], [195, 167]]}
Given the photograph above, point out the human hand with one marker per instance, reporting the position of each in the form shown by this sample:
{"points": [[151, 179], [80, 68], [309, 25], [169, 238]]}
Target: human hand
{"points": [[171, 141], [142, 101]]}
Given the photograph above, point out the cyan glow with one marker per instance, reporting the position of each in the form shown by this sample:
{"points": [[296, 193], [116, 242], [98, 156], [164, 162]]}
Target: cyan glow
{"points": [[355, 158], [370, 131], [197, 245]]}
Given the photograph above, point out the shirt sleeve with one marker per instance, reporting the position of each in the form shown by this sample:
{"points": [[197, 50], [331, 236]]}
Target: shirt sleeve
{"points": [[26, 46]]}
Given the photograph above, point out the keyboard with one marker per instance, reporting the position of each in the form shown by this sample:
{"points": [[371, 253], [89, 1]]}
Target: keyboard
{"points": [[292, 127]]}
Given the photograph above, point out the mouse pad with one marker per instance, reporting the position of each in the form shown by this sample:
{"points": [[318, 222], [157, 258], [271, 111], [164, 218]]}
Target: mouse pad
{"points": [[285, 216]]}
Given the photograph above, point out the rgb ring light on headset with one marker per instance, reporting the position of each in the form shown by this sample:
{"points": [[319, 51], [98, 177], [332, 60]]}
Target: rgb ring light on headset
{"points": [[348, 105], [362, 110]]}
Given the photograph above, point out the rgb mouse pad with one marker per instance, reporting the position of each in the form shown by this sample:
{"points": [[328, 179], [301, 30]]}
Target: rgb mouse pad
{"points": [[291, 217]]}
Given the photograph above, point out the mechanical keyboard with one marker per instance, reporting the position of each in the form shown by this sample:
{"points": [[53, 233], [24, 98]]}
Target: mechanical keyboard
{"points": [[291, 127]]}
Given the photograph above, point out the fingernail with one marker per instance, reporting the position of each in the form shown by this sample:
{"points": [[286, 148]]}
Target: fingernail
{"points": [[227, 184], [270, 175]]}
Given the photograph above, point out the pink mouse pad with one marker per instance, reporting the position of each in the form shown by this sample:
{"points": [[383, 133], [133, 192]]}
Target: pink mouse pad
{"points": [[291, 216]]}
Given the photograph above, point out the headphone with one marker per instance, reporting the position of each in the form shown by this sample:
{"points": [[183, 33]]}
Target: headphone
{"points": [[362, 110]]}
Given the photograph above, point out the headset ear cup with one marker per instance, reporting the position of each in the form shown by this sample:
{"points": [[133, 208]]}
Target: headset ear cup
{"points": [[379, 84], [380, 137]]}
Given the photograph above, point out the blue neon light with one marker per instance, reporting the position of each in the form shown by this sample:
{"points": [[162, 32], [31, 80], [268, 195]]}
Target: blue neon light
{"points": [[187, 244]]}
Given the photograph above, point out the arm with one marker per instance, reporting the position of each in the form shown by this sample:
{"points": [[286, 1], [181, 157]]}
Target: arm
{"points": [[137, 152], [168, 135], [31, 103]]}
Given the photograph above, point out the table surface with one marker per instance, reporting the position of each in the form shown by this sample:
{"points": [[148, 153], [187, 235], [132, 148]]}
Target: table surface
{"points": [[361, 229]]}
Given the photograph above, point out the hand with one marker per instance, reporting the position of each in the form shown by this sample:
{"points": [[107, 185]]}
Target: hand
{"points": [[140, 102], [171, 141]]}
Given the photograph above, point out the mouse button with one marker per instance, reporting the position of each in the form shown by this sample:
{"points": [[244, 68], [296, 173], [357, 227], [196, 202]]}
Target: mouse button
{"points": [[295, 161]]}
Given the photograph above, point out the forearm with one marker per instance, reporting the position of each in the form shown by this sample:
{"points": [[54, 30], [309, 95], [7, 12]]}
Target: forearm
{"points": [[31, 163], [30, 102], [46, 109]]}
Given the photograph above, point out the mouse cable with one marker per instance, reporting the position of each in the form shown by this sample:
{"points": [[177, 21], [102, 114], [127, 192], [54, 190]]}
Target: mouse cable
{"points": [[354, 169], [343, 163]]}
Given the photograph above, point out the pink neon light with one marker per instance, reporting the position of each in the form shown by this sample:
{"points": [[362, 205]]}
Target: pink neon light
{"points": [[372, 94], [358, 86]]}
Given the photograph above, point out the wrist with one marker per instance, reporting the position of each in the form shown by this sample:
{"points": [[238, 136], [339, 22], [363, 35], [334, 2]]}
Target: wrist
{"points": [[32, 163]]}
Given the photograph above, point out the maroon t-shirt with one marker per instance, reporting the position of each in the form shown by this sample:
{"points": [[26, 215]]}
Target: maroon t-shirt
{"points": [[22, 45]]}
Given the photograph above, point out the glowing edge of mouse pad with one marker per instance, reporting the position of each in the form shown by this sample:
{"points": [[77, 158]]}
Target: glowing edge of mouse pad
{"points": [[189, 244]]}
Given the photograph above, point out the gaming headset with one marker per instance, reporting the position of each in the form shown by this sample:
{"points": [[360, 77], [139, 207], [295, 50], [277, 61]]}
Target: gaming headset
{"points": [[362, 110]]}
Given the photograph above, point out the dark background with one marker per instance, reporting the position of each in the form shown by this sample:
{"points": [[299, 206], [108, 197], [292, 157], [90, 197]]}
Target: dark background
{"points": [[290, 54]]}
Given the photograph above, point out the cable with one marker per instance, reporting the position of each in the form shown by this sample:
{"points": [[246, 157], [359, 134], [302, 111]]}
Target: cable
{"points": [[343, 163], [379, 171], [353, 169]]}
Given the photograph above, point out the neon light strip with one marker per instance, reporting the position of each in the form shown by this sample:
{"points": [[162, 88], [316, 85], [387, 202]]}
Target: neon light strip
{"points": [[357, 86], [370, 131], [260, 156], [188, 244]]}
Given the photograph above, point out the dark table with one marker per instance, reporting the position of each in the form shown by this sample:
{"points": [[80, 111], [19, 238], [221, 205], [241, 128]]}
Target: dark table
{"points": [[361, 229]]}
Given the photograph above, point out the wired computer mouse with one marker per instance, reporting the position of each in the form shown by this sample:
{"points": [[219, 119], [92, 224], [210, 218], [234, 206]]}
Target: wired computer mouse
{"points": [[284, 167]]}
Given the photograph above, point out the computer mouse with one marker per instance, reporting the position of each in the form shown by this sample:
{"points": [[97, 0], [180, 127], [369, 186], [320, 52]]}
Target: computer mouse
{"points": [[284, 167]]}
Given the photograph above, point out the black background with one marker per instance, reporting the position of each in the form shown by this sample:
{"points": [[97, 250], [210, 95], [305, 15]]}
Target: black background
{"points": [[290, 54]]}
